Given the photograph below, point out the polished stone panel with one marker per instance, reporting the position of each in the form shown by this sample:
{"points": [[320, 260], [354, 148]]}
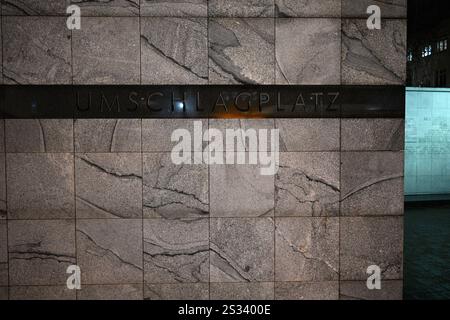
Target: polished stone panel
{"points": [[308, 51], [231, 242], [108, 185], [241, 8], [373, 56], [40, 251], [108, 8], [109, 251], [174, 51], [40, 186], [373, 134], [106, 51], [107, 135], [157, 133], [306, 249], [357, 290], [2, 127], [308, 134], [240, 190], [328, 290], [176, 251], [174, 191], [174, 8], [42, 293], [39, 135], [36, 50], [3, 253], [34, 8], [367, 241], [308, 9], [3, 212], [307, 184], [389, 9], [368, 179], [245, 141], [111, 292], [176, 291], [241, 51], [242, 291]]}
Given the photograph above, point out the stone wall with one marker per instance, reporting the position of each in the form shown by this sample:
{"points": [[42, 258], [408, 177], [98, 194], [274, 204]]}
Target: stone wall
{"points": [[103, 193]]}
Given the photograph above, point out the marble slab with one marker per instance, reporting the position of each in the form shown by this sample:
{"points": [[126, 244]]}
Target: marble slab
{"points": [[177, 291], [34, 8], [325, 290], [110, 8], [308, 9], [174, 8], [357, 290], [389, 8], [241, 8], [32, 293], [111, 292], [242, 291]]}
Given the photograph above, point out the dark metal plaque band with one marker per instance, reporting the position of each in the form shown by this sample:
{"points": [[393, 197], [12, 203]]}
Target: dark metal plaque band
{"points": [[209, 101]]}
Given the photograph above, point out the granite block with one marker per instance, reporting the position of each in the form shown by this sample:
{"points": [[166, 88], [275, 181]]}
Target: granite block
{"points": [[40, 251], [357, 290], [157, 133], [41, 293], [40, 186], [232, 241], [389, 8], [327, 290], [39, 135], [111, 292], [34, 8], [373, 134], [242, 291], [240, 190], [368, 179], [174, 51], [106, 51], [308, 134], [308, 9], [176, 251], [241, 51], [3, 253], [107, 135], [36, 50], [241, 8], [177, 291], [307, 184], [174, 8], [109, 251], [307, 249], [308, 51], [367, 241], [373, 57], [174, 191], [110, 8], [108, 185]]}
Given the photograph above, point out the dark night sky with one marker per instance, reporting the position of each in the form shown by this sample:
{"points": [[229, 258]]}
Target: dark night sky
{"points": [[423, 14]]}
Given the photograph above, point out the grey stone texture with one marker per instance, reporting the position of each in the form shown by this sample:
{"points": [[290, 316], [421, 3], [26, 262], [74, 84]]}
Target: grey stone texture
{"points": [[177, 291], [40, 186], [174, 191], [307, 184], [36, 50], [109, 251], [241, 51], [111, 292], [357, 290], [367, 241], [34, 8], [108, 185], [40, 251], [242, 291], [176, 251], [325, 290], [308, 9], [42, 293], [174, 8], [109, 8], [368, 179], [174, 51], [389, 8], [308, 51], [373, 57], [106, 51], [241, 8], [3, 253]]}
